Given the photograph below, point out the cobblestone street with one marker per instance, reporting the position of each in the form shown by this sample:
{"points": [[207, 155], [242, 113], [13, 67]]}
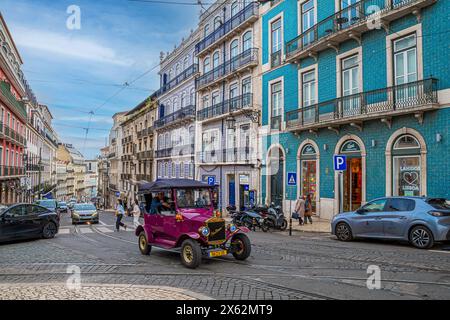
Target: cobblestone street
{"points": [[303, 266]]}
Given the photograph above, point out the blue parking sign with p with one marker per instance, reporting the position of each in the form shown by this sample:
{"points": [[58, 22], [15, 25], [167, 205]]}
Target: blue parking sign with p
{"points": [[340, 163], [212, 181]]}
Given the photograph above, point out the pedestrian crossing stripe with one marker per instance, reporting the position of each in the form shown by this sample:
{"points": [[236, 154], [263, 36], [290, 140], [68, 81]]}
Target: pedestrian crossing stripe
{"points": [[64, 231], [104, 230], [86, 230]]}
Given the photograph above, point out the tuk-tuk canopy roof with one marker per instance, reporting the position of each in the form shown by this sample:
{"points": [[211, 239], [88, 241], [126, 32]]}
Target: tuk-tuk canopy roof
{"points": [[167, 184]]}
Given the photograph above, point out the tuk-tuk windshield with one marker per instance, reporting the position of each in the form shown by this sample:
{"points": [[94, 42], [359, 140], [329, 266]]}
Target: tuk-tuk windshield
{"points": [[193, 198]]}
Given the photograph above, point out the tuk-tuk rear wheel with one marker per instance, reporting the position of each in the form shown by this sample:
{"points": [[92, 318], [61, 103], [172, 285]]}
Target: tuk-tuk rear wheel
{"points": [[144, 247], [191, 254]]}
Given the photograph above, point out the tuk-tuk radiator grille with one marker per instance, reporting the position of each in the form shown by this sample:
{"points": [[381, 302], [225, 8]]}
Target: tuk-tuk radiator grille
{"points": [[217, 231]]}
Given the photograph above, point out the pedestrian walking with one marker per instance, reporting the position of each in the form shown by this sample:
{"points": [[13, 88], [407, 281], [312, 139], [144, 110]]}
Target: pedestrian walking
{"points": [[120, 212], [300, 210], [308, 209], [136, 214]]}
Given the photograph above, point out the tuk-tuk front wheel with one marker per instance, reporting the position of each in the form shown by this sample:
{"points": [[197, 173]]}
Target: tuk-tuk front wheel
{"points": [[191, 254], [242, 246], [144, 247]]}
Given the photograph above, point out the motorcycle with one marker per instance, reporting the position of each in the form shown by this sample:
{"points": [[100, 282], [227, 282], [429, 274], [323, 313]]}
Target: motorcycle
{"points": [[275, 218], [249, 219]]}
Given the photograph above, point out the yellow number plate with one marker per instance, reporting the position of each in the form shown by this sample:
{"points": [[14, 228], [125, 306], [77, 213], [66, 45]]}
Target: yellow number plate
{"points": [[213, 254]]}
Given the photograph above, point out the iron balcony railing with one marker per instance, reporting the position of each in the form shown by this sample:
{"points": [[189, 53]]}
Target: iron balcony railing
{"points": [[184, 75], [145, 177], [249, 56], [145, 155], [127, 139], [125, 176], [231, 155], [5, 90], [357, 15], [226, 107], [375, 103], [275, 59], [175, 151], [175, 117], [231, 24], [8, 171], [8, 133]]}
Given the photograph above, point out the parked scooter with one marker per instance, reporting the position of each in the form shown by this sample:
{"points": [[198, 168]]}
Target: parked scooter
{"points": [[275, 218], [249, 219]]}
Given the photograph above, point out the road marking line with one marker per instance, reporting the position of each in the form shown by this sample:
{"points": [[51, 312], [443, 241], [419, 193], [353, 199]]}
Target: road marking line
{"points": [[102, 223], [104, 229], [86, 230], [64, 231], [439, 251]]}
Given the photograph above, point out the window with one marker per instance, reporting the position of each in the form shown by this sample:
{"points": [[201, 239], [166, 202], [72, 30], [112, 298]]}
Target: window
{"points": [[183, 100], [177, 70], [234, 48], [308, 21], [247, 41], [215, 98], [375, 206], [276, 105], [397, 204], [308, 95], [186, 63], [216, 59], [206, 65], [234, 8], [405, 66], [217, 22], [350, 85], [276, 43], [407, 168], [192, 97], [206, 30]]}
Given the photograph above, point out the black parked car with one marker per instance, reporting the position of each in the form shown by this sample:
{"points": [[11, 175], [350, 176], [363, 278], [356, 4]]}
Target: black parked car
{"points": [[27, 221]]}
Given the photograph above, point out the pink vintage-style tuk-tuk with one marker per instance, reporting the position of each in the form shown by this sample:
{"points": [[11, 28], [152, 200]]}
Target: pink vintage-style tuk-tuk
{"points": [[179, 214]]}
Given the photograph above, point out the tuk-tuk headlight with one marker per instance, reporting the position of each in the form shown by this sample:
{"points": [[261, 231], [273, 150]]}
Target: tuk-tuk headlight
{"points": [[204, 231], [233, 228]]}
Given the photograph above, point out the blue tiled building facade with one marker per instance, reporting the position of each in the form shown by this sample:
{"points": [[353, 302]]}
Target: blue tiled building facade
{"points": [[368, 79]]}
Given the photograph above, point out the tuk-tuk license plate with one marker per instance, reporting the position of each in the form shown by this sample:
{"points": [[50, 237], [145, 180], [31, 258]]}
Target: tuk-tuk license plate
{"points": [[219, 253]]}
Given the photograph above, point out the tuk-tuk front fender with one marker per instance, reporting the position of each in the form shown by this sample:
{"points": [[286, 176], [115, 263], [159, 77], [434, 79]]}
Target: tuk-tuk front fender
{"points": [[140, 229], [190, 235]]}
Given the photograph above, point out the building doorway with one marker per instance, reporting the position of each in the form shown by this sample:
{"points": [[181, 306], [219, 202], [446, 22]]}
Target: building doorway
{"points": [[308, 162], [276, 177], [353, 183]]}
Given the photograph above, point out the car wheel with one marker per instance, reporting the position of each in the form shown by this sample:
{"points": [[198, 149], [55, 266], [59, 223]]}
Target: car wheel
{"points": [[144, 247], [344, 232], [243, 246], [191, 254], [49, 231], [421, 237], [284, 225]]}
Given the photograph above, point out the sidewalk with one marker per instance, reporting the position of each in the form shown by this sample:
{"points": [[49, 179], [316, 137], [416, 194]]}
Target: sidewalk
{"points": [[319, 225]]}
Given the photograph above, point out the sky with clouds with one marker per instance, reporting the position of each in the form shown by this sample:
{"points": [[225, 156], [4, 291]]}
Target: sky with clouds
{"points": [[76, 71]]}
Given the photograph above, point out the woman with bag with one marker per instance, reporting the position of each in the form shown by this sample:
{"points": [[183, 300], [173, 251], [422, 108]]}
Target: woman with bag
{"points": [[308, 209], [136, 214], [300, 210], [120, 212]]}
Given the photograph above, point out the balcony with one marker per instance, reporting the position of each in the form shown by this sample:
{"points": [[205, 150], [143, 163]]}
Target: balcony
{"points": [[179, 117], [184, 75], [145, 155], [19, 106], [175, 151], [145, 132], [415, 97], [235, 24], [127, 157], [9, 172], [11, 135], [111, 155], [243, 61], [244, 155], [145, 177], [125, 176], [350, 23], [226, 107], [127, 139]]}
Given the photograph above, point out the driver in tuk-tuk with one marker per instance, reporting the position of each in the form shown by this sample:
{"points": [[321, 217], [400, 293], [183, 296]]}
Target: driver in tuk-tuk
{"points": [[159, 203]]}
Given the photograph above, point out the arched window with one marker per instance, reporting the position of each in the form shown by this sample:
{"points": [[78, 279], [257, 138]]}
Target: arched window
{"points": [[308, 173], [186, 63], [234, 48], [247, 2], [175, 104], [192, 97], [170, 75], [177, 69], [217, 22], [407, 167], [183, 100], [216, 59], [247, 41], [206, 65], [206, 30]]}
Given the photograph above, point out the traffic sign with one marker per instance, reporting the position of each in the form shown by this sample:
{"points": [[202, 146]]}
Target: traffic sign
{"points": [[212, 181], [292, 178], [340, 163]]}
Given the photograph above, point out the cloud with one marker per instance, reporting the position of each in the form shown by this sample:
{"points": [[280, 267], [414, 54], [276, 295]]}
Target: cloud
{"points": [[63, 45]]}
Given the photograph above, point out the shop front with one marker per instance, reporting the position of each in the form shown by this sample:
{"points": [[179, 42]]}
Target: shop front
{"points": [[309, 173]]}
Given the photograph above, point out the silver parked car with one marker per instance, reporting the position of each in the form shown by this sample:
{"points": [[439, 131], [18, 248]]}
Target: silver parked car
{"points": [[421, 221]]}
